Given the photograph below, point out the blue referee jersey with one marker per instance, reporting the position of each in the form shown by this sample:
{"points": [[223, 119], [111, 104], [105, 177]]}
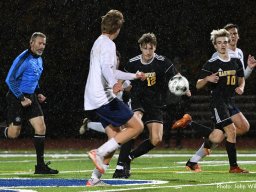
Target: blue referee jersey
{"points": [[24, 74]]}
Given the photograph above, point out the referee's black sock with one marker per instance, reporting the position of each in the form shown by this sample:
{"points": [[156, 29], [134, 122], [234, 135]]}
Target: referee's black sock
{"points": [[124, 152], [39, 146], [142, 149], [231, 151]]}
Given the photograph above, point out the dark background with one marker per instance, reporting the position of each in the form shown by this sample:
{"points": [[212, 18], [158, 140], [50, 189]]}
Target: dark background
{"points": [[182, 27]]}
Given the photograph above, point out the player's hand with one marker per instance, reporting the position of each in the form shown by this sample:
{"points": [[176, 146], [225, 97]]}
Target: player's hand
{"points": [[117, 87], [239, 90], [27, 102], [213, 78], [41, 98], [188, 93], [141, 76], [251, 62]]}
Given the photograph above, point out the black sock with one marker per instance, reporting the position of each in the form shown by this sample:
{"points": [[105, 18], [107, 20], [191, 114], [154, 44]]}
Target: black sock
{"points": [[207, 143], [39, 146], [201, 130], [142, 149], [125, 151], [231, 151], [4, 132]]}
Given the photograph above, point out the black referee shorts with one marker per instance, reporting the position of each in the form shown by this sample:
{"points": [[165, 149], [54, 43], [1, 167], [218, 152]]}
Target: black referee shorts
{"points": [[16, 112]]}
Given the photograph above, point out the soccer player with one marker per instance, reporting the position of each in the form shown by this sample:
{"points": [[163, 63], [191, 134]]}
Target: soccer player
{"points": [[224, 76], [24, 96], [100, 95], [91, 121], [146, 98], [233, 51]]}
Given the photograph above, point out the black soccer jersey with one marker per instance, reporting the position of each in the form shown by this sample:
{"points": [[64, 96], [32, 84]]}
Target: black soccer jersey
{"points": [[228, 72], [158, 73]]}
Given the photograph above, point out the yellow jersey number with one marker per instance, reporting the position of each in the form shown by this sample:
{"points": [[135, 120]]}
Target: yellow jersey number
{"points": [[231, 80], [151, 80]]}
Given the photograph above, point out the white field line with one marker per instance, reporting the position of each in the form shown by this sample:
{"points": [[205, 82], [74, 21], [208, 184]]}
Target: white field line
{"points": [[218, 186], [171, 168]]}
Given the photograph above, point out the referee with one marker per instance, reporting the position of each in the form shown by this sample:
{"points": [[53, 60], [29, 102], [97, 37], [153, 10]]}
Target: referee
{"points": [[24, 98]]}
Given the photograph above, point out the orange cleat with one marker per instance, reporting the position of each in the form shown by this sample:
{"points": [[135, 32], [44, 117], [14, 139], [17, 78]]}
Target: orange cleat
{"points": [[207, 151], [237, 169], [191, 166], [183, 122]]}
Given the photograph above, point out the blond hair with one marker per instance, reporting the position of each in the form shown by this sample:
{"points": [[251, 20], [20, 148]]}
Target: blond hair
{"points": [[219, 33]]}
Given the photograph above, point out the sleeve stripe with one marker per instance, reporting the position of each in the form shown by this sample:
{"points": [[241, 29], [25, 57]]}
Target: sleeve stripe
{"points": [[12, 81]]}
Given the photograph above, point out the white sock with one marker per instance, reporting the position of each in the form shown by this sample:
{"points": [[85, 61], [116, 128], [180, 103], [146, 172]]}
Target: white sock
{"points": [[199, 155], [119, 167], [108, 147], [96, 174], [96, 126]]}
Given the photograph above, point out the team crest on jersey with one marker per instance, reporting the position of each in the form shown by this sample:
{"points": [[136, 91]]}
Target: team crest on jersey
{"points": [[17, 119]]}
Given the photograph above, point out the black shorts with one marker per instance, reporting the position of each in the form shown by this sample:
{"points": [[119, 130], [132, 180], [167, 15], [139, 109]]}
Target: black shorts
{"points": [[152, 112], [16, 112], [222, 111]]}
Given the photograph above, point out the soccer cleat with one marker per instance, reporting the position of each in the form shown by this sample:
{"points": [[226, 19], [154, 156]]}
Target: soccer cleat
{"points": [[119, 173], [207, 151], [183, 122], [97, 160], [123, 173], [45, 169], [237, 169], [83, 127], [95, 182], [191, 166]]}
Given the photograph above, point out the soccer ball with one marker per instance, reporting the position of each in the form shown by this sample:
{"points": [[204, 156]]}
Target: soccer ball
{"points": [[178, 85]]}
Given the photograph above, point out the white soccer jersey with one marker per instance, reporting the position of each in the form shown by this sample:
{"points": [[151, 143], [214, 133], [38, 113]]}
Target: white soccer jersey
{"points": [[102, 74], [126, 84], [238, 53]]}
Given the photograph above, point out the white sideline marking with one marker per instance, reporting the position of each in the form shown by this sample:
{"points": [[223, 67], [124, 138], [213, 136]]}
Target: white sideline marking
{"points": [[252, 186], [171, 167]]}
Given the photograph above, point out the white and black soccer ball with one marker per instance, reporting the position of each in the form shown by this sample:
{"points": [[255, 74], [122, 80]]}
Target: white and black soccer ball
{"points": [[178, 85]]}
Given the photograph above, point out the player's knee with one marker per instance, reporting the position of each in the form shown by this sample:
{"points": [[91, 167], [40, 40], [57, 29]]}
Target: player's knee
{"points": [[246, 127], [216, 137], [156, 141], [13, 132], [140, 126], [41, 129]]}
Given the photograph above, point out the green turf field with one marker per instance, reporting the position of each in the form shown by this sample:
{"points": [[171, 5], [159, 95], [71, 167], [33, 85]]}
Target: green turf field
{"points": [[164, 165]]}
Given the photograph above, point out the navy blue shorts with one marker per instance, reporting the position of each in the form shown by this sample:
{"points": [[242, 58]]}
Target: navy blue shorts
{"points": [[116, 113]]}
